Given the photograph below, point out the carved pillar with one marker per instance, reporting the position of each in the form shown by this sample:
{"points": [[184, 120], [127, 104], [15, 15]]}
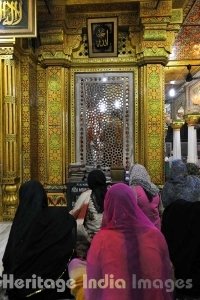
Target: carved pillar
{"points": [[29, 119], [9, 133], [55, 55], [192, 120], [56, 74], [152, 48], [176, 125], [55, 128], [42, 123], [152, 120]]}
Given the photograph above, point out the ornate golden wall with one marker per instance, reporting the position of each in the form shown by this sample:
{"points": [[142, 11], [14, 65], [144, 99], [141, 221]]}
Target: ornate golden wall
{"points": [[42, 124], [55, 125], [44, 117], [152, 120], [29, 119]]}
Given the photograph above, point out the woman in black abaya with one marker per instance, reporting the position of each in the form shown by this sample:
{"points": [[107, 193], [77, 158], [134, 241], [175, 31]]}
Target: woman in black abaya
{"points": [[40, 244]]}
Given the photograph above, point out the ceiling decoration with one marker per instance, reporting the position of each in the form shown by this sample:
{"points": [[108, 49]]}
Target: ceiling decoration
{"points": [[186, 49]]}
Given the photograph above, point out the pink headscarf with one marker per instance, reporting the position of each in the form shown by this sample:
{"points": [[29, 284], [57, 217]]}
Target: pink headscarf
{"points": [[128, 247], [121, 211]]}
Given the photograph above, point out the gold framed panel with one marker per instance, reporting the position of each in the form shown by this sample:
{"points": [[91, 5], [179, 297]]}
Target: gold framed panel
{"points": [[102, 37], [55, 111], [18, 18]]}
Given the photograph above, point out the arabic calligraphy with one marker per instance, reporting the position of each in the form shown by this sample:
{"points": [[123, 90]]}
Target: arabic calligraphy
{"points": [[102, 36], [10, 12]]}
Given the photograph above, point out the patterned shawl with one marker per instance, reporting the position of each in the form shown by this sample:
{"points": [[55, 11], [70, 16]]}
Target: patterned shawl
{"points": [[180, 185], [140, 176]]}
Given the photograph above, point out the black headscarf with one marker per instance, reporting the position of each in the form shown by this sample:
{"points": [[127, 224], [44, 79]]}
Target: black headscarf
{"points": [[180, 226], [41, 239], [97, 183]]}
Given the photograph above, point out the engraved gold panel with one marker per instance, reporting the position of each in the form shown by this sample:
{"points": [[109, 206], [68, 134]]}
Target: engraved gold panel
{"points": [[66, 128], [29, 119], [153, 110], [56, 199], [42, 124], [55, 125]]}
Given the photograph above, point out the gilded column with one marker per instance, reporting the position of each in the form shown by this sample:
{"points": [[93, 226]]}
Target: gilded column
{"points": [[152, 121], [192, 120], [176, 125], [42, 124], [29, 119], [55, 126], [9, 135], [153, 47]]}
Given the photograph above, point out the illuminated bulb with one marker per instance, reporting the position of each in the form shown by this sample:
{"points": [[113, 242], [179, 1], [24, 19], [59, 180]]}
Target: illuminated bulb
{"points": [[117, 104], [102, 107], [172, 92]]}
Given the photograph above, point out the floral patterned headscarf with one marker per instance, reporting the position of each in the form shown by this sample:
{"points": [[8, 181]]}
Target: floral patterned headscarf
{"points": [[140, 176]]}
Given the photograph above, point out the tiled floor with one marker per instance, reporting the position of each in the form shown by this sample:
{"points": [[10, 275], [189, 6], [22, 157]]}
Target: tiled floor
{"points": [[4, 233]]}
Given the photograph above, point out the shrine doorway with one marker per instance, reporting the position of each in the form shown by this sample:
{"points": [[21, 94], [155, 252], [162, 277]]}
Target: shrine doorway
{"points": [[104, 119]]}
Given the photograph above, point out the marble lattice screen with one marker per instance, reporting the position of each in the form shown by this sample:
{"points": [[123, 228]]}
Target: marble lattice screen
{"points": [[104, 119]]}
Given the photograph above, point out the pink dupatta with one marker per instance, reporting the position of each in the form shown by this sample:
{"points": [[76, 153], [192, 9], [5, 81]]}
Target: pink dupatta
{"points": [[126, 251]]}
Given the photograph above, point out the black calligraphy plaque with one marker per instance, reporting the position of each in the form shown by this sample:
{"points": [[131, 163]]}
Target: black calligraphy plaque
{"points": [[18, 18], [102, 37]]}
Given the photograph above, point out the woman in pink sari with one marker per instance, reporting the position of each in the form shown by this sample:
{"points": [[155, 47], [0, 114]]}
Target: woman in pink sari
{"points": [[128, 258]]}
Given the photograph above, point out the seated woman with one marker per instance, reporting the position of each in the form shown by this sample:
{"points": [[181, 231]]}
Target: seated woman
{"points": [[127, 250], [88, 213], [40, 244], [148, 197], [180, 226]]}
